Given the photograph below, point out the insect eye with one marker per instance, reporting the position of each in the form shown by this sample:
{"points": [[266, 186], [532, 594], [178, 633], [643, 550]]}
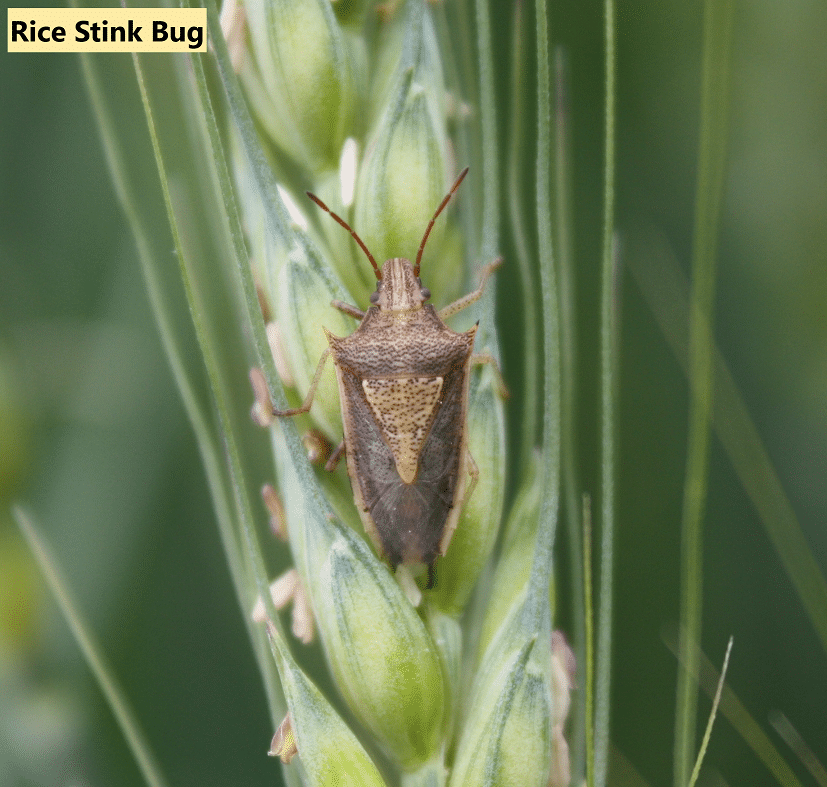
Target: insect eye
{"points": [[374, 297], [426, 293]]}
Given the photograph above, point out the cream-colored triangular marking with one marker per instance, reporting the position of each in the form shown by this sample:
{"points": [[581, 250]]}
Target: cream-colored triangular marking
{"points": [[403, 409]]}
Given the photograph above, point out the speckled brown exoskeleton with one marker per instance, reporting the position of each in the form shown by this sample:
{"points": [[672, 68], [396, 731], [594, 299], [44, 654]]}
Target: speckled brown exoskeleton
{"points": [[403, 386]]}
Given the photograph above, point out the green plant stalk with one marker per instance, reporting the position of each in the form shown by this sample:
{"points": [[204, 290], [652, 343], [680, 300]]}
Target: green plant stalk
{"points": [[550, 472], [518, 230], [563, 223], [458, 42], [711, 160], [539, 584], [550, 295], [609, 386], [609, 338], [490, 155]]}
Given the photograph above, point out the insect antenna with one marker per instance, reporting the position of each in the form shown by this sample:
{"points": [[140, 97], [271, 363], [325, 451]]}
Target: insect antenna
{"points": [[438, 211], [351, 231]]}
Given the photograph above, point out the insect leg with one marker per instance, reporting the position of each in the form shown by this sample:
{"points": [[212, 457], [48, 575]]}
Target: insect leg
{"points": [[311, 392], [335, 457], [495, 367], [467, 300], [348, 309], [431, 576]]}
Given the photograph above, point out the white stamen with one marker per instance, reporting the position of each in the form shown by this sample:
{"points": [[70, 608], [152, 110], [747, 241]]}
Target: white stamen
{"points": [[233, 20], [281, 591], [279, 354], [347, 171]]}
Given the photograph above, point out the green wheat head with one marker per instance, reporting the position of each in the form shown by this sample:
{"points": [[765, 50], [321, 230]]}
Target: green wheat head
{"points": [[364, 118]]}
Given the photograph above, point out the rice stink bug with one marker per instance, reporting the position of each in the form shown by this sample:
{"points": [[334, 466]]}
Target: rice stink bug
{"points": [[403, 387]]}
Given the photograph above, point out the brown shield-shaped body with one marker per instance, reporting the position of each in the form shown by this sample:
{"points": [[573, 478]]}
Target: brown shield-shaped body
{"points": [[403, 384]]}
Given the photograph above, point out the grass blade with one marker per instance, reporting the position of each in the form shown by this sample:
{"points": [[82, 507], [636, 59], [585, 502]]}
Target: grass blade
{"points": [[564, 229], [91, 651], [550, 295], [528, 416], [708, 732], [490, 155], [610, 331], [711, 159], [609, 338]]}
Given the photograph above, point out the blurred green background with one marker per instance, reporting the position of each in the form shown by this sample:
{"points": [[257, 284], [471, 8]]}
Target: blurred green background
{"points": [[94, 439]]}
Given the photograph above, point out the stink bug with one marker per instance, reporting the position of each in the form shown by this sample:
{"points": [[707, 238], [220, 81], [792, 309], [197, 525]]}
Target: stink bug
{"points": [[403, 388]]}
